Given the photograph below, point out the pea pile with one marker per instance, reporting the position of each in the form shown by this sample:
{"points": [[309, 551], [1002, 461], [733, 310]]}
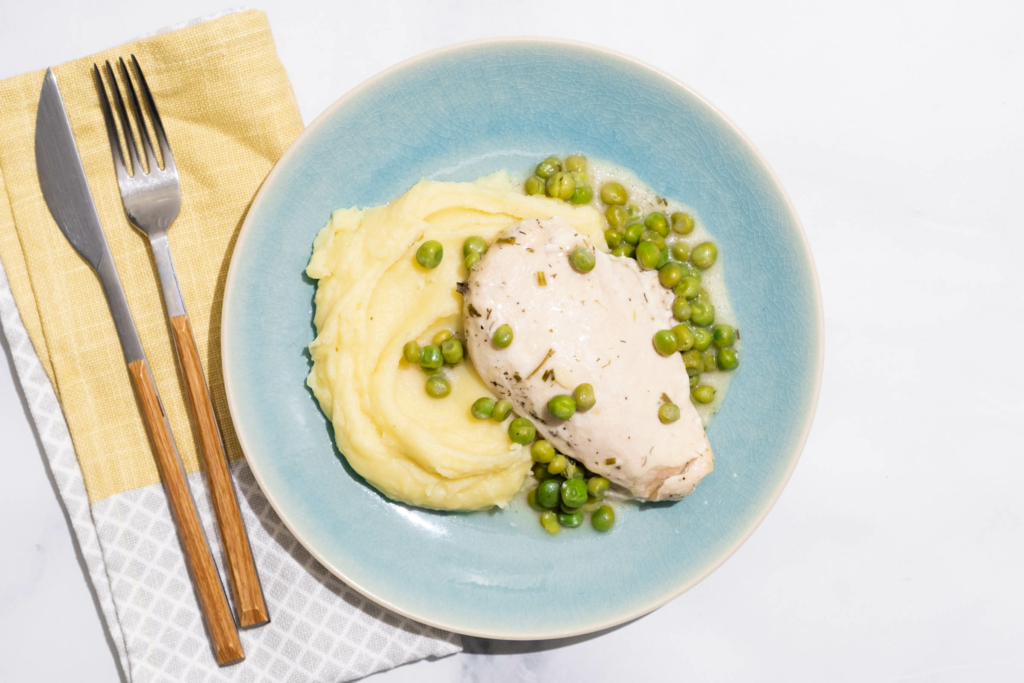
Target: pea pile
{"points": [[568, 181], [656, 242], [444, 350], [566, 492]]}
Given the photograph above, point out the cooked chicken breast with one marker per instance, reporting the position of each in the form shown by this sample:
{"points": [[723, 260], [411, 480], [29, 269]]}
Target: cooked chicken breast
{"points": [[596, 327]]}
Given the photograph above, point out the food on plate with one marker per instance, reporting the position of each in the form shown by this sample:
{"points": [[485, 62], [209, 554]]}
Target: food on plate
{"points": [[402, 417], [587, 327], [569, 336]]}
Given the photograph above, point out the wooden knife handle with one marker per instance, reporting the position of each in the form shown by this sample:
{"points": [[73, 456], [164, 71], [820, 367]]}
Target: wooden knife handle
{"points": [[213, 602], [252, 609]]}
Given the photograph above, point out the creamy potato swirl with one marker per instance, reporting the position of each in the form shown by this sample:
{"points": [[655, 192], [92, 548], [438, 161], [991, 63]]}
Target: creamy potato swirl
{"points": [[371, 298]]}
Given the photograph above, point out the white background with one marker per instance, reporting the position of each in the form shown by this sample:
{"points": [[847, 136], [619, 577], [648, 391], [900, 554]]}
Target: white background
{"points": [[896, 553]]}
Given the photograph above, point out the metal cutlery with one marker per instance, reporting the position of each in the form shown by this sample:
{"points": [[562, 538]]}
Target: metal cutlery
{"points": [[152, 199], [66, 191]]}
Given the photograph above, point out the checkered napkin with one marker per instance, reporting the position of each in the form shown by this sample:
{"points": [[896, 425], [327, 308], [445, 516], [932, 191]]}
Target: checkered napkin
{"points": [[59, 332]]}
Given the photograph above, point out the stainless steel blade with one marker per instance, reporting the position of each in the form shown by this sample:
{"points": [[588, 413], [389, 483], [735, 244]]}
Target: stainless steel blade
{"points": [[66, 191]]}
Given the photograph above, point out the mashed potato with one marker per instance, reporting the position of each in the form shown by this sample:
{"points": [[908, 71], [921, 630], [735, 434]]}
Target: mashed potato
{"points": [[372, 298]]}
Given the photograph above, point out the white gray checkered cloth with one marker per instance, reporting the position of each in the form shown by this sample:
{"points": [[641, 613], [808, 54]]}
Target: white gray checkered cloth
{"points": [[321, 630]]}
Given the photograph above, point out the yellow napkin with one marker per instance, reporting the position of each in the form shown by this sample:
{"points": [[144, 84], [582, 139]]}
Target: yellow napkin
{"points": [[229, 112]]}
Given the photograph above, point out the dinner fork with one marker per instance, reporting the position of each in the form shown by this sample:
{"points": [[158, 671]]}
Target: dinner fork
{"points": [[152, 200]]}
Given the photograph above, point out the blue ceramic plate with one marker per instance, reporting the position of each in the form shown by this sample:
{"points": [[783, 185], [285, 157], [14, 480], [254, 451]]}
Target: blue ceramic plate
{"points": [[457, 114]]}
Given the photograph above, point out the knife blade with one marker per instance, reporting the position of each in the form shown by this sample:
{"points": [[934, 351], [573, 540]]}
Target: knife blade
{"points": [[66, 191]]}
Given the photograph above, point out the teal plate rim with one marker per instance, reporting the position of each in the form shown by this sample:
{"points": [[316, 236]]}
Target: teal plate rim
{"points": [[798, 442]]}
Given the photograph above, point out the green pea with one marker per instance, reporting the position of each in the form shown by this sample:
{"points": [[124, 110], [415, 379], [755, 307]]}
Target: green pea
{"points": [[670, 274], [548, 493], [592, 504], [471, 261], [612, 237], [438, 386], [570, 521], [704, 295], [703, 393], [704, 255], [429, 254], [694, 273], [548, 167], [701, 338], [603, 518], [531, 499], [665, 342], [702, 312], [451, 351], [613, 193], [681, 309], [682, 223], [575, 163], [693, 362], [632, 234], [657, 222], [540, 471], [626, 250], [694, 380], [582, 259], [560, 186], [474, 245], [549, 520], [568, 509], [411, 352], [558, 464], [482, 408], [501, 411], [710, 359], [651, 236], [574, 492], [431, 358], [596, 486], [681, 252], [581, 195], [647, 255], [562, 406], [521, 431], [723, 335], [542, 451], [617, 216], [727, 359], [441, 337], [684, 337], [534, 185], [688, 287], [584, 396], [668, 413], [634, 212], [502, 336]]}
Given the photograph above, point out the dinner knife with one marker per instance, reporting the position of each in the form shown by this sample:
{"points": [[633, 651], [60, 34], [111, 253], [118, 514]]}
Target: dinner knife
{"points": [[66, 191]]}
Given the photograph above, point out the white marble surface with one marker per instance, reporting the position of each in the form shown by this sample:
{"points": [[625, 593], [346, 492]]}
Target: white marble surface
{"points": [[896, 552]]}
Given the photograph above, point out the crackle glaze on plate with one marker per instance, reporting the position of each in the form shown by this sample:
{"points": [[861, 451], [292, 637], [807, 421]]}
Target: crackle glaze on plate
{"points": [[456, 114]]}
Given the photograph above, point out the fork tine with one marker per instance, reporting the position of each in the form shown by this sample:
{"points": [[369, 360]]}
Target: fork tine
{"points": [[108, 118], [154, 115], [143, 131], [126, 124]]}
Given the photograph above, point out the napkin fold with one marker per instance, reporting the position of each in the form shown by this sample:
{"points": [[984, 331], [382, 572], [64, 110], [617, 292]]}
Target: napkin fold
{"points": [[229, 111]]}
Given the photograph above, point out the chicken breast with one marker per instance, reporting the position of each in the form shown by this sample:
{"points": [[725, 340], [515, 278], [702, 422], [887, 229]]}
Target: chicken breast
{"points": [[596, 327]]}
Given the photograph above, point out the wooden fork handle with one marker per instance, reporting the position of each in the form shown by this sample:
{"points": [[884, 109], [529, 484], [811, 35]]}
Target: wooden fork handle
{"points": [[214, 604], [252, 608]]}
